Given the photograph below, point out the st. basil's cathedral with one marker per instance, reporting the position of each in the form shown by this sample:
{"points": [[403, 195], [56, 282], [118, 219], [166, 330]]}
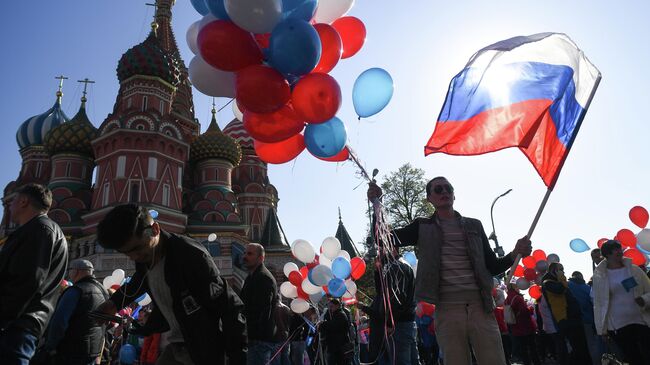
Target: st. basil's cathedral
{"points": [[149, 150]]}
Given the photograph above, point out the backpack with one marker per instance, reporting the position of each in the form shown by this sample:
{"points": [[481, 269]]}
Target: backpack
{"points": [[509, 315]]}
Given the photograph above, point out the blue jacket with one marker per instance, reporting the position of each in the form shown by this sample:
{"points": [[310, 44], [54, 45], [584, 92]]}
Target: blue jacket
{"points": [[582, 292]]}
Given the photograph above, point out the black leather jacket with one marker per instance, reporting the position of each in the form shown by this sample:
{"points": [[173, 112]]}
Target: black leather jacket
{"points": [[33, 262]]}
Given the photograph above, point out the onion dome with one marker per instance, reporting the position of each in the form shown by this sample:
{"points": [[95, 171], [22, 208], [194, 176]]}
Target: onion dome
{"points": [[150, 59], [235, 129], [74, 136], [34, 129], [215, 144]]}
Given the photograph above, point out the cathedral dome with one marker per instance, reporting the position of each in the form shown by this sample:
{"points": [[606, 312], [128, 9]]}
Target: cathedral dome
{"points": [[149, 59], [34, 129], [215, 144], [235, 129], [75, 136]]}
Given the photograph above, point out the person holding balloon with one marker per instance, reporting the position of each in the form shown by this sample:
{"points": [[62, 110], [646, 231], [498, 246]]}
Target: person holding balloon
{"points": [[456, 273], [335, 329]]}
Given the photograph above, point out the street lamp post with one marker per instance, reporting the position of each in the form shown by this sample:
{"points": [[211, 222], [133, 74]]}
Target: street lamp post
{"points": [[493, 236]]}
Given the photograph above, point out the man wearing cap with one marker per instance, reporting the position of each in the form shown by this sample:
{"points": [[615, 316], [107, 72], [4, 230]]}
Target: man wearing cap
{"points": [[32, 264], [73, 337]]}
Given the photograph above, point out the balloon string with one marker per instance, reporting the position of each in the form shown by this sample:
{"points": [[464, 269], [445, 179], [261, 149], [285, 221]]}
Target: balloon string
{"points": [[228, 103]]}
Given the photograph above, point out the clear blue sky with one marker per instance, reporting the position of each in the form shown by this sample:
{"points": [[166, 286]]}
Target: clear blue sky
{"points": [[422, 44]]}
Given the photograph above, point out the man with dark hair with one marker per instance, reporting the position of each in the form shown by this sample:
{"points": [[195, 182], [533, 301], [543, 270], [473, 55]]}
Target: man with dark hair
{"points": [[33, 262], [260, 295], [582, 292], [190, 297], [596, 257], [455, 273], [335, 329], [72, 336]]}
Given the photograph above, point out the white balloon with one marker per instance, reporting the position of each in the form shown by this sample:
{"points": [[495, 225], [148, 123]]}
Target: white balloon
{"points": [[289, 267], [208, 18], [330, 10], [299, 305], [351, 287], [552, 258], [310, 288], [146, 300], [288, 290], [212, 237], [303, 251], [256, 16], [190, 36], [643, 239], [323, 260], [523, 284], [118, 276], [331, 247], [344, 253], [107, 282], [235, 110], [211, 81]]}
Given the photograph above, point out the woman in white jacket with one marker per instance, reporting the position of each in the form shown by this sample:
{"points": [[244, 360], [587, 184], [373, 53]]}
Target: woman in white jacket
{"points": [[621, 294]]}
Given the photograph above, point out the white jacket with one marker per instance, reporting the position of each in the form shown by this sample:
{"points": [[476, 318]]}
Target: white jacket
{"points": [[600, 292]]}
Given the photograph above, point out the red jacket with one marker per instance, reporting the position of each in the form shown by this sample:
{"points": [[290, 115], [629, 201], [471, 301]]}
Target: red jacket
{"points": [[498, 314], [525, 325], [150, 349]]}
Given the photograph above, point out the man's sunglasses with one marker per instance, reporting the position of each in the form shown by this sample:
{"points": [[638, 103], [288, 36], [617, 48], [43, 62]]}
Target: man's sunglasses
{"points": [[438, 189]]}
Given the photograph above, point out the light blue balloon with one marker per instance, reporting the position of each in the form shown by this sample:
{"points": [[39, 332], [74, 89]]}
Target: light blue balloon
{"points": [[128, 354], [336, 287], [372, 92], [579, 245], [410, 258], [153, 213], [294, 47], [200, 6], [315, 298], [217, 8], [326, 139], [320, 275], [341, 268], [643, 251], [299, 9]]}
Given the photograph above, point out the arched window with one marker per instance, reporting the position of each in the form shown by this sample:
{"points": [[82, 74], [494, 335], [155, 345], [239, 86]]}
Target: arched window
{"points": [[134, 195], [145, 100], [68, 168]]}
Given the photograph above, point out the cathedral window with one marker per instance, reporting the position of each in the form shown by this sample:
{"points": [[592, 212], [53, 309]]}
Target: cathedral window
{"points": [[180, 176], [162, 106], [68, 168], [84, 171], [121, 166], [216, 174], [106, 194], [129, 102], [165, 195], [39, 167], [153, 168], [145, 101], [252, 174], [202, 176], [134, 195]]}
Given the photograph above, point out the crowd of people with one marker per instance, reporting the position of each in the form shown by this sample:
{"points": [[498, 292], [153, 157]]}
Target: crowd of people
{"points": [[453, 310]]}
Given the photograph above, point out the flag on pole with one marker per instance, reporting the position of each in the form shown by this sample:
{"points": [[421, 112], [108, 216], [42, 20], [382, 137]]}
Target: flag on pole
{"points": [[530, 92]]}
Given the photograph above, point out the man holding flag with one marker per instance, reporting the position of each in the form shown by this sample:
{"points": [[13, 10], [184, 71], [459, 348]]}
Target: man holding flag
{"points": [[530, 92]]}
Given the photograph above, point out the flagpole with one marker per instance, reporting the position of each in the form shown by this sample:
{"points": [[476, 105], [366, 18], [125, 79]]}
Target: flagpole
{"points": [[557, 175]]}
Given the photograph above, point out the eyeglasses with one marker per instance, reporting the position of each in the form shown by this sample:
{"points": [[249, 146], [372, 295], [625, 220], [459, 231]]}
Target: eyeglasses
{"points": [[439, 188]]}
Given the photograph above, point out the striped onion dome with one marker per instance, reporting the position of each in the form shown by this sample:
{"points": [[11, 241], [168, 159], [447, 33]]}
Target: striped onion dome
{"points": [[215, 144], [34, 129], [235, 129], [74, 136], [150, 59]]}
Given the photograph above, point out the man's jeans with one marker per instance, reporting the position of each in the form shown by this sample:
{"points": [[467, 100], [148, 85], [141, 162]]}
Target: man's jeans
{"points": [[17, 346], [297, 352], [402, 346], [260, 352]]}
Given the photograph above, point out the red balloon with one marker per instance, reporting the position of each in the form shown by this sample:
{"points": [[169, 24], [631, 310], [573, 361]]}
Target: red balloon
{"points": [[331, 48], [115, 286], [626, 238], [353, 34], [301, 293], [316, 97], [639, 216], [262, 89], [344, 155], [295, 278], [273, 127], [314, 263], [263, 39], [280, 152], [304, 271], [519, 271], [529, 262], [529, 274], [539, 255], [227, 47], [637, 257], [358, 267], [535, 292], [601, 241]]}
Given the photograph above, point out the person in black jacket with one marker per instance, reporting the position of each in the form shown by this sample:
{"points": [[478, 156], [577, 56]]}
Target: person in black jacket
{"points": [[190, 297], [33, 262], [260, 295], [72, 336], [335, 330]]}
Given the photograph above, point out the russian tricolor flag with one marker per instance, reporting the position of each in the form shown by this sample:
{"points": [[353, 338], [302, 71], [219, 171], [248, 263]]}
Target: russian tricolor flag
{"points": [[527, 92]]}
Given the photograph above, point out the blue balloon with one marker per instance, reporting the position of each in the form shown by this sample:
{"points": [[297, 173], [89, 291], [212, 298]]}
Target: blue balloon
{"points": [[217, 8], [372, 92], [299, 9], [128, 354], [326, 139], [294, 47], [341, 268], [643, 251], [336, 287], [578, 245], [153, 213], [200, 6], [410, 258]]}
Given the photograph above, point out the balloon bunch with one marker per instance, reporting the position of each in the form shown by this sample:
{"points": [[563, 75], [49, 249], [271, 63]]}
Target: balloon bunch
{"points": [[636, 246], [332, 272], [115, 280], [274, 56], [531, 271]]}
